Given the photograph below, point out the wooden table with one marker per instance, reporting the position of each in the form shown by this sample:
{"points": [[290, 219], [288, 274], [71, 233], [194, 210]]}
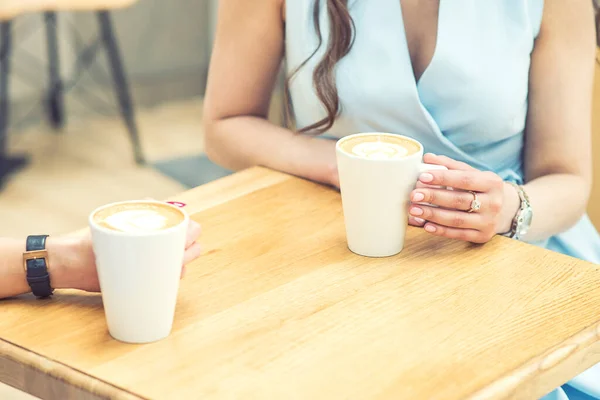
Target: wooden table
{"points": [[278, 308]]}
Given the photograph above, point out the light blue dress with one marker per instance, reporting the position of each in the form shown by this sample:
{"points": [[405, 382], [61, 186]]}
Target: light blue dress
{"points": [[470, 103]]}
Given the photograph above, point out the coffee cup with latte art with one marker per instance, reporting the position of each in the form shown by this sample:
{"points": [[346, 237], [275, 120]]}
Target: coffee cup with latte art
{"points": [[139, 248], [378, 171]]}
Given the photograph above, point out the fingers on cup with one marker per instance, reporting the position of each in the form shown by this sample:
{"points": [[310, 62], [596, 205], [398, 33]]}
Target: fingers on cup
{"points": [[415, 221], [449, 218], [465, 180], [467, 235], [192, 253], [420, 185], [448, 162], [456, 200], [193, 233]]}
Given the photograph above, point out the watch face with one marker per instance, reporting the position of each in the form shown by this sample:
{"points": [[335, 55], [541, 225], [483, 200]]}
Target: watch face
{"points": [[525, 221]]}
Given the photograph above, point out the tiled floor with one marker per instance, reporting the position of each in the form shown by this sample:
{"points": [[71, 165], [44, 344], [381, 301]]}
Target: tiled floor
{"points": [[89, 164]]}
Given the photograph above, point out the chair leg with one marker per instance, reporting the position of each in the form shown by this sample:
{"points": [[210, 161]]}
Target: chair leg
{"points": [[8, 164], [120, 82], [5, 50], [55, 102]]}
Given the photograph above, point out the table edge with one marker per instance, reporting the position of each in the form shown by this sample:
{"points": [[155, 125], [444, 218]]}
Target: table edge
{"points": [[531, 379], [70, 376]]}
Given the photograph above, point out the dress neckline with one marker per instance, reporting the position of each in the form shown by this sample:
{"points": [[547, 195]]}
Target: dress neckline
{"points": [[438, 41]]}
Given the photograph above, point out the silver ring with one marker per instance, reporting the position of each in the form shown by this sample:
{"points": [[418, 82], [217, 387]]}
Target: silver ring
{"points": [[475, 204]]}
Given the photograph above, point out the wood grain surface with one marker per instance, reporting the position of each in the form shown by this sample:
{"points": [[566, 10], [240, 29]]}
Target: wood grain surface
{"points": [[278, 307], [594, 203]]}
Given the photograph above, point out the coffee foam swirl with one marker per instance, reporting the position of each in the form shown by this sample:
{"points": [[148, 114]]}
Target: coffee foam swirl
{"points": [[379, 150], [137, 221]]}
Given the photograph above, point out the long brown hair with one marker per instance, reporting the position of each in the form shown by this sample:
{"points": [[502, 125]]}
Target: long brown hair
{"points": [[339, 43]]}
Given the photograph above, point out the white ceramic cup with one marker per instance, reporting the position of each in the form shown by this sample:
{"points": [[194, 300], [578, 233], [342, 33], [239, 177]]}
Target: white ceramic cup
{"points": [[376, 197], [139, 277]]}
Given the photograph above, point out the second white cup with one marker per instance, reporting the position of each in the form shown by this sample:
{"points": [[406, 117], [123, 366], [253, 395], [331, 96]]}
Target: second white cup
{"points": [[139, 248]]}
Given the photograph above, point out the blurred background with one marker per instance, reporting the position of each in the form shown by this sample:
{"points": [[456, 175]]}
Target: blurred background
{"points": [[88, 160], [165, 48]]}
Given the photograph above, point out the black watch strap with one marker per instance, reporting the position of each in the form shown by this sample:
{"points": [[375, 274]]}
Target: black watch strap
{"points": [[36, 265]]}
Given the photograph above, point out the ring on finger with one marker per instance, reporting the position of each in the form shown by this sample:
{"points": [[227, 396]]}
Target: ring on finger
{"points": [[475, 204]]}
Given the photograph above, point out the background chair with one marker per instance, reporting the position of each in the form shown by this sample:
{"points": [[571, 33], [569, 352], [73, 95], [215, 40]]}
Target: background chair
{"points": [[54, 104]]}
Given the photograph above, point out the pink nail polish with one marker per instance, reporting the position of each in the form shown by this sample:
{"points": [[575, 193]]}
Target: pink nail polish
{"points": [[426, 177], [418, 196], [430, 228], [416, 211], [419, 220]]}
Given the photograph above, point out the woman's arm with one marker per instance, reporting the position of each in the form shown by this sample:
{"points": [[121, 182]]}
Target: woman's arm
{"points": [[558, 157], [71, 262], [245, 62], [557, 149], [61, 257]]}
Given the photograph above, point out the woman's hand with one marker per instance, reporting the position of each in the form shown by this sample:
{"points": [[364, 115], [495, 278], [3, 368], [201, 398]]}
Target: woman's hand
{"points": [[73, 265], [451, 217]]}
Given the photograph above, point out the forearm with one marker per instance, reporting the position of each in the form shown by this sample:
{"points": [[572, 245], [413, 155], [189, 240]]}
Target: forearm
{"points": [[241, 142], [13, 280], [558, 202]]}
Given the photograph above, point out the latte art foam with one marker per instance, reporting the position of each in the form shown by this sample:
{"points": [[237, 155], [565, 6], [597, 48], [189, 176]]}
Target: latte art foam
{"points": [[137, 221], [134, 217], [379, 146], [379, 150]]}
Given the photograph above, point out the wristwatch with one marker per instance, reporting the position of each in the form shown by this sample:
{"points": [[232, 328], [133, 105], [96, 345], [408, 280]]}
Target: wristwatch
{"points": [[35, 262], [522, 221]]}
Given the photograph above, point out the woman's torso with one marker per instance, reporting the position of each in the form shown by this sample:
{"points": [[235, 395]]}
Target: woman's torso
{"points": [[470, 103], [472, 97]]}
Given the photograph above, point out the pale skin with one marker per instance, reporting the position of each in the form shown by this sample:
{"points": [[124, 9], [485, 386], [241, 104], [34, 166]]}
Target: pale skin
{"points": [[71, 263], [247, 55]]}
